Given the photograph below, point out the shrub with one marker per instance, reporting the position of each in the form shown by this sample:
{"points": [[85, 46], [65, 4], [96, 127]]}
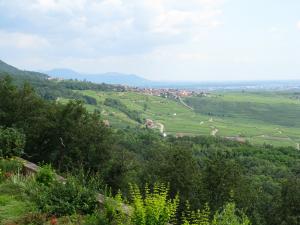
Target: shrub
{"points": [[96, 218], [198, 217], [32, 219], [155, 207], [12, 142], [8, 167], [64, 198], [230, 215], [45, 175]]}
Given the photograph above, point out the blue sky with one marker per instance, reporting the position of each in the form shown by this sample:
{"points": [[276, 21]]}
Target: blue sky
{"points": [[157, 39]]}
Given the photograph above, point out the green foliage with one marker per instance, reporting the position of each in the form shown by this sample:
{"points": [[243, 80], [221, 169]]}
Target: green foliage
{"points": [[116, 103], [12, 208], [203, 169], [198, 217], [274, 108], [221, 177], [90, 100], [67, 135], [96, 218], [154, 208], [12, 142], [8, 167], [289, 208], [14, 203], [45, 175], [230, 216], [63, 198]]}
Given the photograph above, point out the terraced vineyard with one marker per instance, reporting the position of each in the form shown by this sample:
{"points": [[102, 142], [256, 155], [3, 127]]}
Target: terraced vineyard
{"points": [[271, 118]]}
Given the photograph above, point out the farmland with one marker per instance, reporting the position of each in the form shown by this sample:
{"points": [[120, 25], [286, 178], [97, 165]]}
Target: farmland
{"points": [[263, 117]]}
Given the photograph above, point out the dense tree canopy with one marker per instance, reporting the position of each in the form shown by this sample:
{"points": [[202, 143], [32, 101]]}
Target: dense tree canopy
{"points": [[263, 181]]}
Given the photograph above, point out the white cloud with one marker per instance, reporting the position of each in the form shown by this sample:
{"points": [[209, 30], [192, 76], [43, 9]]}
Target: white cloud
{"points": [[22, 41], [298, 25], [111, 26]]}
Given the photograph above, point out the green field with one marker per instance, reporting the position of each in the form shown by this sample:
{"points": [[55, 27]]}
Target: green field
{"points": [[265, 117]]}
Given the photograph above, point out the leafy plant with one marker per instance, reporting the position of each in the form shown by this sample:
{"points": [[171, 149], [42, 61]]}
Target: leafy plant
{"points": [[45, 175], [8, 167], [64, 198], [155, 208], [230, 216], [198, 217], [12, 142]]}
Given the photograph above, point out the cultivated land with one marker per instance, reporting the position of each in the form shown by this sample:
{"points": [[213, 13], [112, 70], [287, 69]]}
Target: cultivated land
{"points": [[262, 117]]}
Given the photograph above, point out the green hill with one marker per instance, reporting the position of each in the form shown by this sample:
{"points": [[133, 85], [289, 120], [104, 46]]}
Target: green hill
{"points": [[257, 117], [20, 74]]}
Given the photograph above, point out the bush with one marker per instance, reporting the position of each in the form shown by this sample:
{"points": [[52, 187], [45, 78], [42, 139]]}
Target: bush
{"points": [[230, 215], [191, 217], [155, 207], [45, 175], [12, 142], [64, 198], [8, 167]]}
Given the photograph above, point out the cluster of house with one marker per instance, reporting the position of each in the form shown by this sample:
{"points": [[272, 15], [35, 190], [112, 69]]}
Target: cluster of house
{"points": [[168, 92]]}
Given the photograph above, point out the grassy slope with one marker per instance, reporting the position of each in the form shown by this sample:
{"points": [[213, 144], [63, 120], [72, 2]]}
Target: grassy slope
{"points": [[13, 203], [260, 117]]}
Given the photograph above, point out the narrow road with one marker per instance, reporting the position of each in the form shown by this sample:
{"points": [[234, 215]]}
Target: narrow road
{"points": [[183, 103]]}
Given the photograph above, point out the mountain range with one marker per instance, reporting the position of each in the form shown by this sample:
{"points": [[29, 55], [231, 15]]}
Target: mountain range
{"points": [[109, 78], [138, 81]]}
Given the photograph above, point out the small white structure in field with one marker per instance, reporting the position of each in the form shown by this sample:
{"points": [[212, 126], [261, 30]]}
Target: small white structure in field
{"points": [[164, 134], [174, 114]]}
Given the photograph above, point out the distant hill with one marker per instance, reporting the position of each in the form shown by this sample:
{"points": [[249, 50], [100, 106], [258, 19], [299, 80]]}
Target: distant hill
{"points": [[109, 78], [21, 74], [52, 89]]}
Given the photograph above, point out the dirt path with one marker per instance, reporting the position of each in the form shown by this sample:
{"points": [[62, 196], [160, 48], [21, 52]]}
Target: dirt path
{"points": [[183, 103]]}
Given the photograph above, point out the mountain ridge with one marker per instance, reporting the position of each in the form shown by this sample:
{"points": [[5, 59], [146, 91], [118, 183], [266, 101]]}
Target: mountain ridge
{"points": [[108, 77]]}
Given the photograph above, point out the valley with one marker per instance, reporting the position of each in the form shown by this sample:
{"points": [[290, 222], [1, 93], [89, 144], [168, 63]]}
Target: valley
{"points": [[257, 117]]}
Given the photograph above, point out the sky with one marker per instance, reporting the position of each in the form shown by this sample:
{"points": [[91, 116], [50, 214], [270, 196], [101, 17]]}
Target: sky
{"points": [[182, 40]]}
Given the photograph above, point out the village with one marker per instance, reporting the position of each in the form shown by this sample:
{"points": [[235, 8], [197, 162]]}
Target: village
{"points": [[174, 93]]}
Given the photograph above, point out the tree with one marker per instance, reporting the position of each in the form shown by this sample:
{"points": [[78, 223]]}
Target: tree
{"points": [[230, 216], [12, 142], [221, 177], [290, 202]]}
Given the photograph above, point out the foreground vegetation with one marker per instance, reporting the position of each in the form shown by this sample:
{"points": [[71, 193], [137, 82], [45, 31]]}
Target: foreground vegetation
{"points": [[221, 178], [41, 199]]}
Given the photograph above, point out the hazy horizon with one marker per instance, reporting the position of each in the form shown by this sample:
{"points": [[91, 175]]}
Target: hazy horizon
{"points": [[160, 40]]}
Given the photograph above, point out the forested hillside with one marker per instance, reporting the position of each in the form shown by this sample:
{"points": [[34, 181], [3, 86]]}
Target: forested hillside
{"points": [[262, 181], [51, 89]]}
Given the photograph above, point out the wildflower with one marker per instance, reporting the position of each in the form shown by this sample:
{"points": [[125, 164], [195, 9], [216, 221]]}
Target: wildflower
{"points": [[53, 220]]}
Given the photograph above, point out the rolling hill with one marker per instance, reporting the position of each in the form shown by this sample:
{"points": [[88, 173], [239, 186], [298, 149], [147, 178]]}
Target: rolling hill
{"points": [[258, 117]]}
